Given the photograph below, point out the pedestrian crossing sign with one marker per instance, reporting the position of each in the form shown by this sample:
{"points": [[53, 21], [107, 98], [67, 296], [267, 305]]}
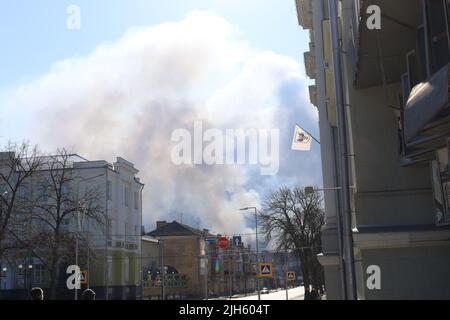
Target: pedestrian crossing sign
{"points": [[83, 277], [265, 269], [290, 275]]}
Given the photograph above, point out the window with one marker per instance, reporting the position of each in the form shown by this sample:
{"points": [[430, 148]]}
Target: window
{"points": [[39, 274], [413, 75], [136, 200], [422, 59], [126, 269], [437, 31], [109, 190], [126, 196], [24, 192], [441, 186], [65, 189]]}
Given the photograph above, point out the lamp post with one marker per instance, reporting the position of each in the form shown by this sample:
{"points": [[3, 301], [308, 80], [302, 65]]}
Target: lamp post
{"points": [[3, 275], [82, 205], [22, 274], [30, 277], [163, 270], [23, 271], [257, 246]]}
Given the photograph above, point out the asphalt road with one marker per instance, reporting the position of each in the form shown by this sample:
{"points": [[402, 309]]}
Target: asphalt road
{"points": [[293, 294]]}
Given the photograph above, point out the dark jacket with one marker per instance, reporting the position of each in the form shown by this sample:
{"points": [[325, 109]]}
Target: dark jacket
{"points": [[307, 295]]}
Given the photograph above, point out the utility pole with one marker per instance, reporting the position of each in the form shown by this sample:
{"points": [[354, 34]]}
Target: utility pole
{"points": [[257, 253], [343, 149], [257, 248], [76, 248], [285, 274], [88, 254], [206, 265], [206, 278], [230, 275], [163, 271]]}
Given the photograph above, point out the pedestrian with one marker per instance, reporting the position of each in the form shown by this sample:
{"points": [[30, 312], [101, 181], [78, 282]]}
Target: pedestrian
{"points": [[88, 294], [37, 293], [307, 293], [314, 294]]}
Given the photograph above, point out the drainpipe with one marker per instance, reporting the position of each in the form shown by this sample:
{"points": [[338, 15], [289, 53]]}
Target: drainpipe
{"points": [[343, 148]]}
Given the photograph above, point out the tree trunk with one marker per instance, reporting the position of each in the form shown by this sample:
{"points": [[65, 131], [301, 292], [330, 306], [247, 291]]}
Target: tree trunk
{"points": [[304, 267]]}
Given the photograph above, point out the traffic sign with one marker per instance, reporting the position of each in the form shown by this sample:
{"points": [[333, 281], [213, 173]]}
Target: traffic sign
{"points": [[223, 242], [290, 275], [211, 239], [265, 269], [83, 277], [237, 240]]}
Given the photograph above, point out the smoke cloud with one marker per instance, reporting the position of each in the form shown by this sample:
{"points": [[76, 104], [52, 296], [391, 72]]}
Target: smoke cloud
{"points": [[127, 97]]}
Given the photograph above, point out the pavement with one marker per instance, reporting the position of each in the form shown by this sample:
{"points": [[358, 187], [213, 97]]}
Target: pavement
{"points": [[280, 294]]}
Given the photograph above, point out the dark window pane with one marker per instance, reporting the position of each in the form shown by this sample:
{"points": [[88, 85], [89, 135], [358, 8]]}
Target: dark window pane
{"points": [[437, 33]]}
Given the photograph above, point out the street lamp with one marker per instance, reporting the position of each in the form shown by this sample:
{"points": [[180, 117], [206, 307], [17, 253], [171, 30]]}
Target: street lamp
{"points": [[163, 270], [311, 190], [257, 246], [3, 274], [82, 205]]}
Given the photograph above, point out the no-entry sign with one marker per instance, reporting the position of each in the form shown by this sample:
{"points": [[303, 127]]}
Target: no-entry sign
{"points": [[223, 242]]}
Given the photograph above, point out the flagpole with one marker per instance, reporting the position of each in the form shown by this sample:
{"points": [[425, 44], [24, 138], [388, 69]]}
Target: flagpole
{"points": [[308, 133]]}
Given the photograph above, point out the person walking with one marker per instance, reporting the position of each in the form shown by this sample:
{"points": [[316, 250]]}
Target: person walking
{"points": [[88, 294], [37, 294], [307, 294], [314, 294]]}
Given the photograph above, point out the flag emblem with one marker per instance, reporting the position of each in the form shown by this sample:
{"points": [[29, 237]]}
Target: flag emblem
{"points": [[302, 140]]}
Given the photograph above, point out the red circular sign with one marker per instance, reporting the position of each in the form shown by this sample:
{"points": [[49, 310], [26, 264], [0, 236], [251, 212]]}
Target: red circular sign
{"points": [[223, 242]]}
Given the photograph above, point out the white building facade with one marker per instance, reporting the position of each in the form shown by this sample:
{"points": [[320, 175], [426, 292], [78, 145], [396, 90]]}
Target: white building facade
{"points": [[110, 250]]}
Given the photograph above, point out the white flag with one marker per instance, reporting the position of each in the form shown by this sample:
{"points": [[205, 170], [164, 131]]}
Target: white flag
{"points": [[302, 140]]}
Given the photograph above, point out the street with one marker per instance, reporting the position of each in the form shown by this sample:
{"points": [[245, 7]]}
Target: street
{"points": [[293, 294]]}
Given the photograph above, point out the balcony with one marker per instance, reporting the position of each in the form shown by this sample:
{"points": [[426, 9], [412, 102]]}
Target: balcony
{"points": [[310, 64], [381, 53], [313, 95], [425, 114], [304, 13]]}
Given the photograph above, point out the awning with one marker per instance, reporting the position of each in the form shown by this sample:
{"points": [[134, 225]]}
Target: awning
{"points": [[425, 103]]}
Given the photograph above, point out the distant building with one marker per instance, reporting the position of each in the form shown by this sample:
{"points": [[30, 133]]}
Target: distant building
{"points": [[151, 266], [114, 244], [198, 266], [233, 269], [182, 247]]}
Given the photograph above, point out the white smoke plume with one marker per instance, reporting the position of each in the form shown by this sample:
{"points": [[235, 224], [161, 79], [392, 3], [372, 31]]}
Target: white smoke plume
{"points": [[127, 97]]}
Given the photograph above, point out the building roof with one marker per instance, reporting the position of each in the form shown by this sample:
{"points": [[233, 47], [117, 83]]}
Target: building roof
{"points": [[177, 229], [149, 239]]}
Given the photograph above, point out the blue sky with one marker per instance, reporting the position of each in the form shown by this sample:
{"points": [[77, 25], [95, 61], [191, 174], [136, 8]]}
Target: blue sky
{"points": [[33, 34], [121, 91]]}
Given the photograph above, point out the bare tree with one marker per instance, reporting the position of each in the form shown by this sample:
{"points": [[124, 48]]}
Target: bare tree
{"points": [[18, 164], [292, 220], [58, 201]]}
